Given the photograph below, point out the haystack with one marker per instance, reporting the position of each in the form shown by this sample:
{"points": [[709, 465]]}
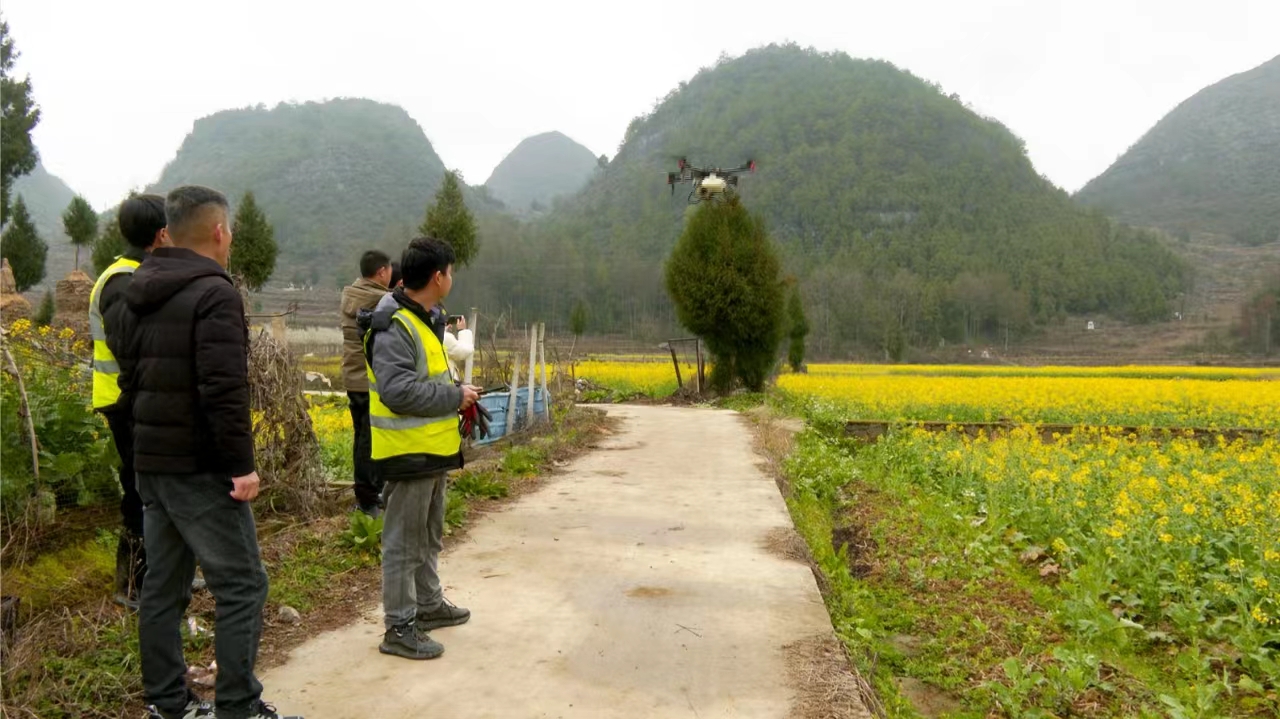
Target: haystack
{"points": [[71, 303], [13, 306], [287, 451]]}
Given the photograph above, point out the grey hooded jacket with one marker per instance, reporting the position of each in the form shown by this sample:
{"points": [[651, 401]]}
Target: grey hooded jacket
{"points": [[393, 357]]}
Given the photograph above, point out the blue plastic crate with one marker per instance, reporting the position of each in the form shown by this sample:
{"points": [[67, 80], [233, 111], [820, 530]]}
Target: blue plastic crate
{"points": [[496, 404]]}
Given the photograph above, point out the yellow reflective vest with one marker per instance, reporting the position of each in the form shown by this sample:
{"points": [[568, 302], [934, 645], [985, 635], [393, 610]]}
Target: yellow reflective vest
{"points": [[396, 434], [105, 370]]}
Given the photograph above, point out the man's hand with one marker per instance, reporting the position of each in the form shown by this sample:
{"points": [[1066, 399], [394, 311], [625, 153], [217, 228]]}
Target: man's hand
{"points": [[246, 487], [470, 393], [462, 323]]}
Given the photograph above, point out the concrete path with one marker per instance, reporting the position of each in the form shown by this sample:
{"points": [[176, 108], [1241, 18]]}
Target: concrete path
{"points": [[633, 584]]}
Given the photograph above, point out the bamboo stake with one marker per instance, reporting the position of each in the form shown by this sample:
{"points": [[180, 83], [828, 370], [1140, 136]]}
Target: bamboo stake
{"points": [[24, 411], [542, 357], [533, 366]]}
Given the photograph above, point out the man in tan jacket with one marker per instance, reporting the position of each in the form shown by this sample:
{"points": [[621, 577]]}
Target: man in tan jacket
{"points": [[363, 294]]}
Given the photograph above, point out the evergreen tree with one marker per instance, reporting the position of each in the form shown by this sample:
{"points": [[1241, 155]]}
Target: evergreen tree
{"points": [[20, 115], [797, 329], [22, 247], [723, 277], [80, 223], [449, 219], [578, 318], [109, 245], [253, 249], [44, 315]]}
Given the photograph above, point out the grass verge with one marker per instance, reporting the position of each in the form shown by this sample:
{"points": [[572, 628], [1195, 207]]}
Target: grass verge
{"points": [[944, 617]]}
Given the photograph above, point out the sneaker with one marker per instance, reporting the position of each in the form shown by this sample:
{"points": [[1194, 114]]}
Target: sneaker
{"points": [[195, 709], [445, 615], [408, 642], [264, 710]]}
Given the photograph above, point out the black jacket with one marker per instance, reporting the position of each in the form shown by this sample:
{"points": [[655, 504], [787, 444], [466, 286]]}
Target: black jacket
{"points": [[184, 367]]}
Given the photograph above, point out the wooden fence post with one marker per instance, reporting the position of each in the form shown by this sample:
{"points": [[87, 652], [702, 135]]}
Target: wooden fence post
{"points": [[471, 325], [533, 367], [542, 360], [515, 385]]}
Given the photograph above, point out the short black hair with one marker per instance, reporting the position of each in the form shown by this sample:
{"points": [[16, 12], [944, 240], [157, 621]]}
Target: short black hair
{"points": [[186, 203], [395, 274], [372, 261], [422, 259], [140, 218]]}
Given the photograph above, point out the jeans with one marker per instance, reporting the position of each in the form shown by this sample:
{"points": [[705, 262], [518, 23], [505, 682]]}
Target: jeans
{"points": [[412, 537], [188, 518], [121, 424], [367, 485]]}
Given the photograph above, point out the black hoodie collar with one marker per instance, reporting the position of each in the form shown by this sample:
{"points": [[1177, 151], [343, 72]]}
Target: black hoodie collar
{"points": [[165, 273], [423, 314]]}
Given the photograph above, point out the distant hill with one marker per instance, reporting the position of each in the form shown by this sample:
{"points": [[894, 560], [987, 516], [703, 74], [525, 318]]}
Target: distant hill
{"points": [[906, 216], [46, 196], [540, 169], [1211, 165], [335, 178]]}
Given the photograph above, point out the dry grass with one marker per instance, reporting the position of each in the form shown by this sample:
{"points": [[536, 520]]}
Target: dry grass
{"points": [[826, 687], [784, 542], [287, 452], [73, 662]]}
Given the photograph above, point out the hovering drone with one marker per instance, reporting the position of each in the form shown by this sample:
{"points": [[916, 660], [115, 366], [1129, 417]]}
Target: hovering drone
{"points": [[708, 183]]}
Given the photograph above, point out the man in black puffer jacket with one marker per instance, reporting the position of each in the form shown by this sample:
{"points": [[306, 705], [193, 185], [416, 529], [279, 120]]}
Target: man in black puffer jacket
{"points": [[184, 372]]}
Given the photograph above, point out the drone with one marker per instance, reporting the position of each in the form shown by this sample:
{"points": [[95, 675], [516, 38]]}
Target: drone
{"points": [[708, 183]]}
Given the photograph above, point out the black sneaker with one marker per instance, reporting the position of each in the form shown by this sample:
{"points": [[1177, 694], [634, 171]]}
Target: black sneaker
{"points": [[263, 710], [195, 709], [445, 615], [408, 642]]}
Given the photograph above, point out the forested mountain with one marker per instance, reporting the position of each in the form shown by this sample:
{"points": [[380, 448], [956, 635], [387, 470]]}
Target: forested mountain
{"points": [[334, 178], [47, 196], [1211, 165], [540, 169], [907, 218]]}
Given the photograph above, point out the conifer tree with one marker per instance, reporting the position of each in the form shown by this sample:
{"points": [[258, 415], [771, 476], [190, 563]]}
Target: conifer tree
{"points": [[253, 245], [449, 219]]}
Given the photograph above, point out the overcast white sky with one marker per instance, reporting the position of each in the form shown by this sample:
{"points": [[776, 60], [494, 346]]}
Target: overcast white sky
{"points": [[120, 83]]}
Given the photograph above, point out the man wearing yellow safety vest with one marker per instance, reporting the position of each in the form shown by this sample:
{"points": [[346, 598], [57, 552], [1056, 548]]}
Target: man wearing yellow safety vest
{"points": [[142, 223], [413, 418]]}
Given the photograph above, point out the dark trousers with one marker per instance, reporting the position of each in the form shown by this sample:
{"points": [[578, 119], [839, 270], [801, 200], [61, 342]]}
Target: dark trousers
{"points": [[189, 518], [121, 424], [367, 486], [412, 537]]}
